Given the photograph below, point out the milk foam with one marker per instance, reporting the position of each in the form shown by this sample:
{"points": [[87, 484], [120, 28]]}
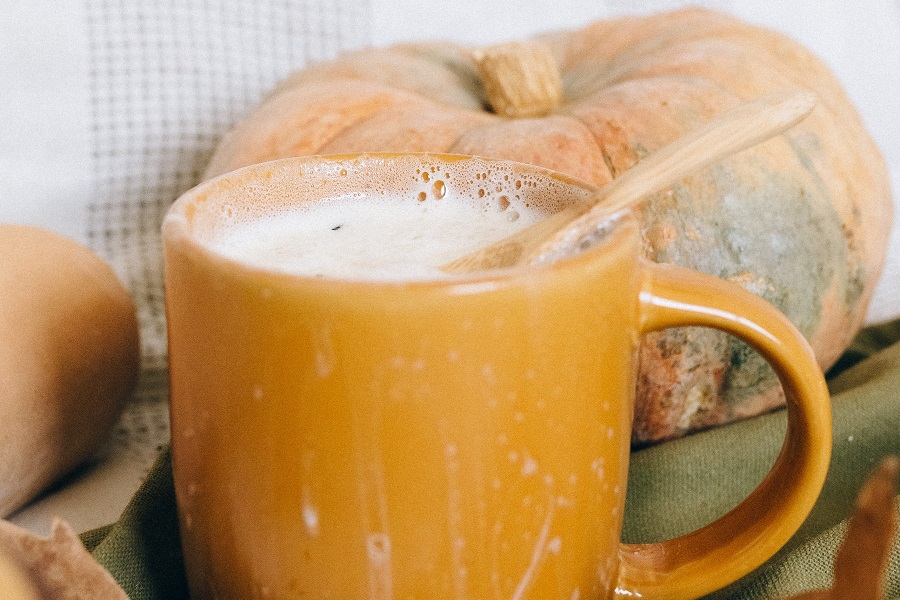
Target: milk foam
{"points": [[374, 237]]}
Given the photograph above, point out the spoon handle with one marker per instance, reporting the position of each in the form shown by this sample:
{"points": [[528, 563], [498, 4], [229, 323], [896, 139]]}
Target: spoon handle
{"points": [[734, 130], [741, 127]]}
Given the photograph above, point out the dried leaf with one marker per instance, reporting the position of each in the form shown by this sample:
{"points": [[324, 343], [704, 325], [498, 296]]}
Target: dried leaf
{"points": [[59, 567], [863, 556]]}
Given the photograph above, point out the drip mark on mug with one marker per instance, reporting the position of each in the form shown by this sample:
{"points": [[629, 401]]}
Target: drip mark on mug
{"points": [[308, 510], [529, 466], [451, 450], [311, 519], [325, 355], [555, 545], [454, 519], [378, 548], [542, 546]]}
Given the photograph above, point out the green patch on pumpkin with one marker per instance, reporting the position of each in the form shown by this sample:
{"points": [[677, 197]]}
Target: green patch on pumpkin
{"points": [[778, 236]]}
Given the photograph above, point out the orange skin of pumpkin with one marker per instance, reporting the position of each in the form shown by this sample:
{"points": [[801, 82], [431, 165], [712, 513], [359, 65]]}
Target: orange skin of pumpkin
{"points": [[802, 219]]}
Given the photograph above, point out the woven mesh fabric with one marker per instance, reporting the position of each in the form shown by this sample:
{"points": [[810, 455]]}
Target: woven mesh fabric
{"points": [[167, 79]]}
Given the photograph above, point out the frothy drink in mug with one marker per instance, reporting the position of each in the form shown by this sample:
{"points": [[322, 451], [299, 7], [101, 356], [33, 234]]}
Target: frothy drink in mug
{"points": [[397, 233], [350, 422]]}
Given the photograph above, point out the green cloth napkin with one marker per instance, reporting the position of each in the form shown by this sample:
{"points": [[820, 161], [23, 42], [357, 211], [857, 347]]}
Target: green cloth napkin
{"points": [[673, 487], [142, 550]]}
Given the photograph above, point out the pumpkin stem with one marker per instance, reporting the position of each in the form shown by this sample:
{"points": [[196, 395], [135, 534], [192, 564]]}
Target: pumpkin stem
{"points": [[521, 79]]}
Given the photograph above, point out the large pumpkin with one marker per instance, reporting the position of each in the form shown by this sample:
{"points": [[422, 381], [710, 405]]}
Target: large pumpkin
{"points": [[802, 220]]}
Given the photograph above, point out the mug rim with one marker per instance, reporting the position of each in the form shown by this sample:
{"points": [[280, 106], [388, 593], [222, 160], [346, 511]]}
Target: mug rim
{"points": [[176, 227]]}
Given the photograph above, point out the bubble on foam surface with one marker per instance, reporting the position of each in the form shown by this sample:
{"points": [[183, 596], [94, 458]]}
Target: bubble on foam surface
{"points": [[458, 200]]}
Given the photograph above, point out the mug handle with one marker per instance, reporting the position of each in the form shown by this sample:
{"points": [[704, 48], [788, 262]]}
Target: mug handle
{"points": [[727, 549]]}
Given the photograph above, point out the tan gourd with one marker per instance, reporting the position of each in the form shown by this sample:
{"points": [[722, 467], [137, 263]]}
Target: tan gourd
{"points": [[68, 358], [801, 220]]}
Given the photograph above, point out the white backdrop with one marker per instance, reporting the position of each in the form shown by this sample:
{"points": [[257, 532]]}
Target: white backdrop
{"points": [[860, 41]]}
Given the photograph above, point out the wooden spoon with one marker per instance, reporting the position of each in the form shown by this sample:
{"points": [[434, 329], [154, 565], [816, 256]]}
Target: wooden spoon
{"points": [[573, 227]]}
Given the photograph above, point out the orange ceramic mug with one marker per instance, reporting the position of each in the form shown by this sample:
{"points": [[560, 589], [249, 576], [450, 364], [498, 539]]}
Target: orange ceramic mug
{"points": [[461, 439]]}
